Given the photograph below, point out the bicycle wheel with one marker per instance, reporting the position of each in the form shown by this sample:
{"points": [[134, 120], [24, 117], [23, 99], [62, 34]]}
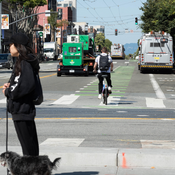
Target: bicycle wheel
{"points": [[106, 96]]}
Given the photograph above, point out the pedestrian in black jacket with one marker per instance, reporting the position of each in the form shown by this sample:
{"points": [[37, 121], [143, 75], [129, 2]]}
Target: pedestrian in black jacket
{"points": [[19, 91]]}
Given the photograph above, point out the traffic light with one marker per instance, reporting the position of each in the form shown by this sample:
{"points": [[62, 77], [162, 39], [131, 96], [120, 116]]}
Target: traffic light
{"points": [[59, 14], [116, 32], [136, 21]]}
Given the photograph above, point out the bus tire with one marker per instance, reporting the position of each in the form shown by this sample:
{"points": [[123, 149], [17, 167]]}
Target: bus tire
{"points": [[141, 70], [58, 74]]}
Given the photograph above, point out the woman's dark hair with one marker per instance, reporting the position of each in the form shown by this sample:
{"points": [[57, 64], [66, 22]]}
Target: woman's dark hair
{"points": [[23, 55]]}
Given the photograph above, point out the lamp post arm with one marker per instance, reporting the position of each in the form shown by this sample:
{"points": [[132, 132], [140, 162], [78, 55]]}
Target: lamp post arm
{"points": [[30, 16]]}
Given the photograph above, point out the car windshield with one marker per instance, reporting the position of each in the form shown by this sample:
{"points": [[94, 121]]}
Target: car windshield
{"points": [[48, 50]]}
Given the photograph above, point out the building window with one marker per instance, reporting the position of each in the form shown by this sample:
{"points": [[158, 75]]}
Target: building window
{"points": [[100, 30], [59, 5], [65, 5]]}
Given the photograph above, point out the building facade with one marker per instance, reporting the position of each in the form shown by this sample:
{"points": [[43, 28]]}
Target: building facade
{"points": [[72, 4], [99, 29]]}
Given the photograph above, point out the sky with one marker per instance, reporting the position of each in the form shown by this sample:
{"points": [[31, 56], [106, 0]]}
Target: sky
{"points": [[113, 14]]}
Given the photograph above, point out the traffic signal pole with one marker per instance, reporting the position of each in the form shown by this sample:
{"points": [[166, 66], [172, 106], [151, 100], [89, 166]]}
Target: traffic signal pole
{"points": [[0, 30]]}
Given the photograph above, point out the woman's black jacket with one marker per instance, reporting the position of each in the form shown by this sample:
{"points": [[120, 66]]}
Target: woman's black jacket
{"points": [[20, 93]]}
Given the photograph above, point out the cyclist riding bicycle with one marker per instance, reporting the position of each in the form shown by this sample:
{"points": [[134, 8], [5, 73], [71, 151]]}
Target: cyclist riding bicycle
{"points": [[107, 72]]}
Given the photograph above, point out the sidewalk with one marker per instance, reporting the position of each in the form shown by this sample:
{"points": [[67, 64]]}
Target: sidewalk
{"points": [[107, 161]]}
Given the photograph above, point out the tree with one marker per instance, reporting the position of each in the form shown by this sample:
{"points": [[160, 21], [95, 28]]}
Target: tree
{"points": [[159, 15], [23, 8], [108, 44], [52, 20], [100, 40]]}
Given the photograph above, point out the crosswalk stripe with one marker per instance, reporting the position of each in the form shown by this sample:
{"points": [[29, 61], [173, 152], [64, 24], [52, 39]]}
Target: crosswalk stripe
{"points": [[3, 100], [112, 101], [66, 99], [166, 144], [154, 103], [62, 142]]}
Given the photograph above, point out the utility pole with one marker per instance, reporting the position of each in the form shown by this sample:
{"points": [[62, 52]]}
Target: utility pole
{"points": [[43, 30], [0, 29], [16, 17], [61, 37]]}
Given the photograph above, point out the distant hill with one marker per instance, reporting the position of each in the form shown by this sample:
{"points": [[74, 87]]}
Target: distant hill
{"points": [[130, 48]]}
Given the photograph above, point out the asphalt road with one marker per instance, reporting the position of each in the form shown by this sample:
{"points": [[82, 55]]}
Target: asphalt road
{"points": [[140, 111]]}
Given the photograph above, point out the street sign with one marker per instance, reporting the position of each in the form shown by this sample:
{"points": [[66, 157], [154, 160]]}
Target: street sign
{"points": [[126, 30], [4, 21], [47, 12]]}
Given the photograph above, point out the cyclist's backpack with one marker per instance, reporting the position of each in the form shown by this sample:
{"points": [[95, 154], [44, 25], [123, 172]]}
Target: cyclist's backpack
{"points": [[104, 63], [38, 92]]}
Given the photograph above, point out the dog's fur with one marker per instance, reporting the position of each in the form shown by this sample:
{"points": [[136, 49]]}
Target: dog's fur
{"points": [[28, 165]]}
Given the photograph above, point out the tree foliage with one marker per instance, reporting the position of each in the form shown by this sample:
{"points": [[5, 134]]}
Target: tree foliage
{"points": [[52, 20], [158, 15], [108, 44], [100, 40], [27, 3], [23, 8]]}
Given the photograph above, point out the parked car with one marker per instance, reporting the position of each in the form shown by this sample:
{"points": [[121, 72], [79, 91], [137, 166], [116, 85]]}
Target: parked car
{"points": [[6, 61]]}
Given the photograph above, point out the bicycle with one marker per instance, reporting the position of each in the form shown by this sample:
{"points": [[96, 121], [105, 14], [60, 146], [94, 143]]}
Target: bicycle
{"points": [[105, 91]]}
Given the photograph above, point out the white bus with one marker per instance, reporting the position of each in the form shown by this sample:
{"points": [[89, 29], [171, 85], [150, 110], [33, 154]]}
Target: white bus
{"points": [[117, 51], [156, 51]]}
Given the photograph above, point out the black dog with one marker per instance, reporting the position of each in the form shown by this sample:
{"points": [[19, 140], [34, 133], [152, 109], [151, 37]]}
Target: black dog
{"points": [[28, 165]]}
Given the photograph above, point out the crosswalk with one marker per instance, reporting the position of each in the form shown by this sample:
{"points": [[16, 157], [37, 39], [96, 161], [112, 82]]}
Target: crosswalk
{"points": [[91, 101], [77, 142]]}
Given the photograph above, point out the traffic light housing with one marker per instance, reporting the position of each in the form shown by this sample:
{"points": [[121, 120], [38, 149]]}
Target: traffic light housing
{"points": [[136, 21], [116, 32], [59, 14]]}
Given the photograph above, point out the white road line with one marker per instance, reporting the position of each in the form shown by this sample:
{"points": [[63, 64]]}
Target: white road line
{"points": [[154, 103], [66, 99], [3, 100], [169, 90], [157, 88], [62, 142], [164, 144], [122, 111]]}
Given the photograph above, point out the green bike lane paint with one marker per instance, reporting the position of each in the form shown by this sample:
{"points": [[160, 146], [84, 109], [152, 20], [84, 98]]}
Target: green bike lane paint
{"points": [[120, 81]]}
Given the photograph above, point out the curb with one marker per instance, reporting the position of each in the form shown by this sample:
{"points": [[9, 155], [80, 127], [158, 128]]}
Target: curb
{"points": [[146, 158], [107, 157]]}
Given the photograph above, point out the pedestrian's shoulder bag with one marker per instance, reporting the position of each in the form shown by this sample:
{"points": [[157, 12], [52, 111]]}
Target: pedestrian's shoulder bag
{"points": [[38, 92], [104, 63]]}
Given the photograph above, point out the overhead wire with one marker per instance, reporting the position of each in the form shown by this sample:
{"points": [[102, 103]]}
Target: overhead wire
{"points": [[101, 20], [112, 13], [96, 12], [118, 11]]}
